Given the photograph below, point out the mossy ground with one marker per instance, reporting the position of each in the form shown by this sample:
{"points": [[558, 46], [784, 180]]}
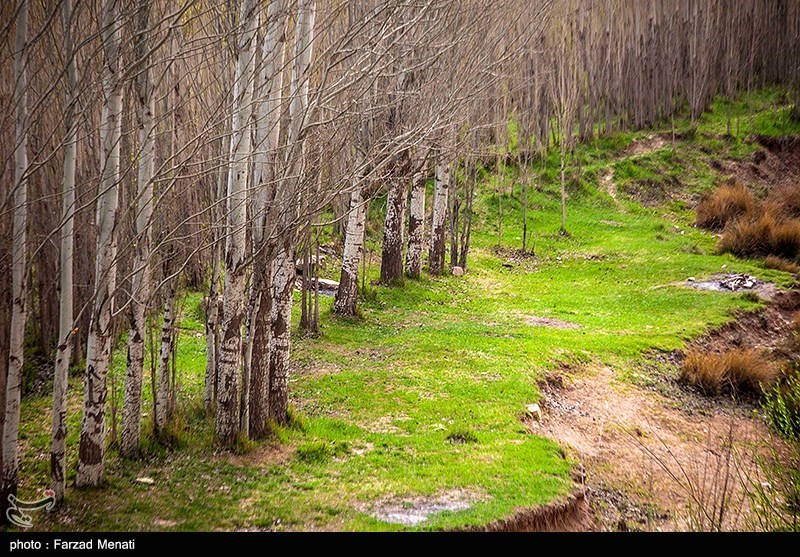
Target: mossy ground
{"points": [[378, 401]]}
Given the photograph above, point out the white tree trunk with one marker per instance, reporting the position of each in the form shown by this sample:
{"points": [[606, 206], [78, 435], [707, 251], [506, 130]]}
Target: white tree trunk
{"points": [[140, 279], [229, 360], [439, 225], [19, 262], [255, 400], [283, 266], [161, 400], [347, 294], [98, 350], [416, 225], [65, 320], [283, 277]]}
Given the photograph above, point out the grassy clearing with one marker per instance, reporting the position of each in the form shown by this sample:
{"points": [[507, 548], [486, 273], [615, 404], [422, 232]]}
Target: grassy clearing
{"points": [[422, 394]]}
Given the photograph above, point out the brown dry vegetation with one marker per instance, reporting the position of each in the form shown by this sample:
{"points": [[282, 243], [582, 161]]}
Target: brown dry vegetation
{"points": [[781, 264], [753, 230], [726, 204], [784, 200], [737, 370]]}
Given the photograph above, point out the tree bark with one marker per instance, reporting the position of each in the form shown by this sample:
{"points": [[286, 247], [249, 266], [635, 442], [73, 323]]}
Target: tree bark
{"points": [[18, 265], [235, 265], [283, 266], [347, 294], [161, 400], [283, 277], [416, 224], [394, 223], [140, 279], [98, 350], [255, 406], [439, 224], [65, 320], [212, 303], [260, 365], [563, 190]]}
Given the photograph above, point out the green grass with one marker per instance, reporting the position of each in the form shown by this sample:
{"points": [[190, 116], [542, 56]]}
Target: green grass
{"points": [[422, 394]]}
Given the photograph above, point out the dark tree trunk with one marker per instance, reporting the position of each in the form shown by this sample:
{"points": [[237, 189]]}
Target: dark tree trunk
{"points": [[393, 228]]}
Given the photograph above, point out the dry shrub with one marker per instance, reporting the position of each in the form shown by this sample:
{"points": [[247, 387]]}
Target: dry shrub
{"points": [[762, 235], [785, 241], [781, 264], [749, 237], [726, 204], [784, 200], [739, 369]]}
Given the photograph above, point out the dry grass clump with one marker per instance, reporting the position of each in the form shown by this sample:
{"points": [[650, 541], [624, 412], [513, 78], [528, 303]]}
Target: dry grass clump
{"points": [[781, 264], [762, 235], [785, 241], [752, 229], [748, 237], [784, 200], [726, 204], [737, 370]]}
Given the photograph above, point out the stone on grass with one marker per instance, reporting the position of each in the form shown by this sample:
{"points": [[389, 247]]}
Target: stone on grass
{"points": [[535, 412]]}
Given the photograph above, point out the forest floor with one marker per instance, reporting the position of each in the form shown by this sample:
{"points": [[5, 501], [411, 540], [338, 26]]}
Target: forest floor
{"points": [[413, 416]]}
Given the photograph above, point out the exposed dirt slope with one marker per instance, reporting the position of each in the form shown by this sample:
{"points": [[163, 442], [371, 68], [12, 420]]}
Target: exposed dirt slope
{"points": [[643, 455]]}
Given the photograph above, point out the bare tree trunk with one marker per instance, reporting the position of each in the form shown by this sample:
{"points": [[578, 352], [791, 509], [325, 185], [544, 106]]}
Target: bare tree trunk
{"points": [[394, 223], [563, 189], [19, 263], [98, 350], [58, 443], [283, 266], [140, 279], [161, 398], [525, 179], [256, 405], [212, 304], [235, 261], [259, 362], [416, 225], [455, 211], [438, 228], [467, 229], [283, 277], [347, 294]]}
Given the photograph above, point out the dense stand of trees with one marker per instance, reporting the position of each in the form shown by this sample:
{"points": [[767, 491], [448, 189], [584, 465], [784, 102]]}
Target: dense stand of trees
{"points": [[156, 146]]}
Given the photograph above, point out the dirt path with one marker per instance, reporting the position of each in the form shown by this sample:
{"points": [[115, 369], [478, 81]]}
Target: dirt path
{"points": [[643, 146], [642, 454], [610, 187]]}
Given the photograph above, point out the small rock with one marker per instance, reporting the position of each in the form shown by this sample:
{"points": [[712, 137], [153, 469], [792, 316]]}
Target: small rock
{"points": [[535, 412], [691, 279], [145, 480], [724, 266], [457, 271]]}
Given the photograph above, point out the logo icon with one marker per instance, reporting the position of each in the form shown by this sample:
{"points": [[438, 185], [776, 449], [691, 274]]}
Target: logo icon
{"points": [[17, 512]]}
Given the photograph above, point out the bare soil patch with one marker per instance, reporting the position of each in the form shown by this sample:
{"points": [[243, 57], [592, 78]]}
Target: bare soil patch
{"points": [[552, 322], [732, 282], [777, 163], [648, 144], [767, 328], [641, 454], [266, 454]]}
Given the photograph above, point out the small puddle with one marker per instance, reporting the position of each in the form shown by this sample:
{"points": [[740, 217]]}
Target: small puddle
{"points": [[416, 511]]}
